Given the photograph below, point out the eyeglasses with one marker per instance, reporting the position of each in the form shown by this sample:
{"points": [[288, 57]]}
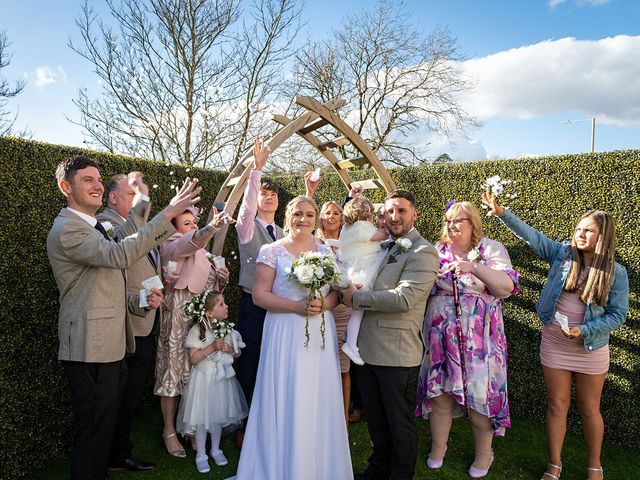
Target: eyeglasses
{"points": [[457, 222]]}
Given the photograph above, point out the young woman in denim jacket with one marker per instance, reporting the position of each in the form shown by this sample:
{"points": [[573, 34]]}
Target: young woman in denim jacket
{"points": [[586, 297]]}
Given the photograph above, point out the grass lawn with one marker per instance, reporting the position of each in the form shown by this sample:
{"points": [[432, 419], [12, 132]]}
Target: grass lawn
{"points": [[521, 454]]}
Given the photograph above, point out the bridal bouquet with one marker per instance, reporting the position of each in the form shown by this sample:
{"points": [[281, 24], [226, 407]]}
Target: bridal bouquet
{"points": [[313, 270]]}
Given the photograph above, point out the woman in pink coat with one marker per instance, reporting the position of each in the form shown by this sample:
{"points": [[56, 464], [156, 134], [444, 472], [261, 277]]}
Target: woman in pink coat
{"points": [[195, 273]]}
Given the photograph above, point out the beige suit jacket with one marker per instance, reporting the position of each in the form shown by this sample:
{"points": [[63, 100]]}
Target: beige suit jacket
{"points": [[391, 330], [142, 319], [93, 324]]}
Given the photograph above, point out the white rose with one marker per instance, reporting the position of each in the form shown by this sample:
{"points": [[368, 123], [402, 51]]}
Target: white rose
{"points": [[107, 225], [474, 255], [404, 243], [304, 274], [319, 273]]}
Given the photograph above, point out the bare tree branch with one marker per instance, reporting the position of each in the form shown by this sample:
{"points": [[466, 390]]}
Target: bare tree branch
{"points": [[394, 78], [178, 84], [8, 90]]}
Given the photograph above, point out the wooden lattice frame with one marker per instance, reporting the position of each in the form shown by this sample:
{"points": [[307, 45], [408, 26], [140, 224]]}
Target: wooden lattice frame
{"points": [[317, 115]]}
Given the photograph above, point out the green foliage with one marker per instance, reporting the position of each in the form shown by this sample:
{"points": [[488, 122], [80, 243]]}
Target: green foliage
{"points": [[35, 421]]}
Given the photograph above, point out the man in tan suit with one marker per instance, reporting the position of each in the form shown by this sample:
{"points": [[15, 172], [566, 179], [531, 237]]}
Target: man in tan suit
{"points": [[390, 340], [128, 200], [93, 325]]}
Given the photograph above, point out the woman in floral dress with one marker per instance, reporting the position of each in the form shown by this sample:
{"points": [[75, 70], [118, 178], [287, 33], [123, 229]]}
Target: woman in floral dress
{"points": [[484, 277]]}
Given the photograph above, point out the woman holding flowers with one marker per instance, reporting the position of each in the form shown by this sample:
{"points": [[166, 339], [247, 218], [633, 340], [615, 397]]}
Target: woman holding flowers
{"points": [[296, 428], [465, 363], [586, 297], [193, 275]]}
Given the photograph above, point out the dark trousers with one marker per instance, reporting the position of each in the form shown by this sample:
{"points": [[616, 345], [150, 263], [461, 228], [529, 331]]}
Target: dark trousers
{"points": [[96, 390], [250, 325], [138, 366], [389, 397], [356, 398]]}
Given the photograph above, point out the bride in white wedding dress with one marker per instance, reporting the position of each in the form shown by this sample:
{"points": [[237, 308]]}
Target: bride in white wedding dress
{"points": [[296, 427]]}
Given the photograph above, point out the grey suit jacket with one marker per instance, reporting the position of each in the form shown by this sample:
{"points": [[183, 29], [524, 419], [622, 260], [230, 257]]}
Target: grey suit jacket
{"points": [[142, 320], [391, 330], [93, 324]]}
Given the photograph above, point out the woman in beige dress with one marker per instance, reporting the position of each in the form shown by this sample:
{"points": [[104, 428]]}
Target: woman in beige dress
{"points": [[194, 273], [329, 229]]}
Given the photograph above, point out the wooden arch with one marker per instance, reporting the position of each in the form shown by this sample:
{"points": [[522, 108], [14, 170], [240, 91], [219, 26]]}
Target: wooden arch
{"points": [[315, 116]]}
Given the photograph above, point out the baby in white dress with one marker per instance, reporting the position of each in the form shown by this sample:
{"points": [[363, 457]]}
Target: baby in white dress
{"points": [[359, 253]]}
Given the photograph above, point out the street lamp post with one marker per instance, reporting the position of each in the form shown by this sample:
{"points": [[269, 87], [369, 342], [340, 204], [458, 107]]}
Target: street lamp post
{"points": [[593, 129]]}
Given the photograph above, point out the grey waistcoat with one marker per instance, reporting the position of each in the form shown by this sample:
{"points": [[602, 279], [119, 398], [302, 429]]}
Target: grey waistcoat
{"points": [[249, 252]]}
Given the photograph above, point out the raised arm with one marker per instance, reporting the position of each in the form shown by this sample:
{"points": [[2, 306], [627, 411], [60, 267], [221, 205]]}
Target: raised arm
{"points": [[249, 205], [544, 247]]}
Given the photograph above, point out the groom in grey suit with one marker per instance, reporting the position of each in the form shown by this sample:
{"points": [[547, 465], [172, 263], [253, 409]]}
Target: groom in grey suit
{"points": [[93, 324], [390, 340]]}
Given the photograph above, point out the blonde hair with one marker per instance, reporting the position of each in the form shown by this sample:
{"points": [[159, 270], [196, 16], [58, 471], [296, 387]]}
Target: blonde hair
{"points": [[602, 271], [472, 212], [323, 210], [291, 207], [359, 208]]}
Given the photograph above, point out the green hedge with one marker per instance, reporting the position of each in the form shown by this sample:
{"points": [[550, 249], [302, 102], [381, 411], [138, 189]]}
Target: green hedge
{"points": [[35, 417]]}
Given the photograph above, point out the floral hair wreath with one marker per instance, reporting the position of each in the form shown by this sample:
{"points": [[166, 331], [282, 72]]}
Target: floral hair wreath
{"points": [[195, 308]]}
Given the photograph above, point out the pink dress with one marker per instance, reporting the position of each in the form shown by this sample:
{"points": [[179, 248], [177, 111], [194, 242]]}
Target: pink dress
{"points": [[564, 353]]}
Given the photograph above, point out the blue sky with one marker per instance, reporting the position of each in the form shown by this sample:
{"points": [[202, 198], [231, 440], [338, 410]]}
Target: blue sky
{"points": [[536, 63]]}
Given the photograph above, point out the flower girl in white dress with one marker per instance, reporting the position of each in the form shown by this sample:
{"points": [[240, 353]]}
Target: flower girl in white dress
{"points": [[213, 398], [359, 253]]}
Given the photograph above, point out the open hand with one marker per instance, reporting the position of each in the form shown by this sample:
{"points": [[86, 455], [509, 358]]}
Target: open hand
{"points": [[490, 200], [186, 196], [260, 154], [136, 181], [220, 218]]}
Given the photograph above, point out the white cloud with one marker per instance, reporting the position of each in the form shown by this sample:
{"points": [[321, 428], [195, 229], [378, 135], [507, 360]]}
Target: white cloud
{"points": [[458, 148], [600, 78], [579, 3], [47, 76]]}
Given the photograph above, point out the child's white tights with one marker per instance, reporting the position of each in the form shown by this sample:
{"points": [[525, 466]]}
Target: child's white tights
{"points": [[353, 329], [201, 439]]}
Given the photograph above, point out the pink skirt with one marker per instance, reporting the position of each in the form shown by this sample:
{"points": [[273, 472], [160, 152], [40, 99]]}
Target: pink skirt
{"points": [[563, 353]]}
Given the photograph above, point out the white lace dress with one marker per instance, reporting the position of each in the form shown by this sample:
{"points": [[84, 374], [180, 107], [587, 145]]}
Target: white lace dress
{"points": [[213, 396], [296, 427]]}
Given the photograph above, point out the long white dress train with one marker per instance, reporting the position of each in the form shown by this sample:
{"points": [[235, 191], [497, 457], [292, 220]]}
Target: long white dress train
{"points": [[296, 428]]}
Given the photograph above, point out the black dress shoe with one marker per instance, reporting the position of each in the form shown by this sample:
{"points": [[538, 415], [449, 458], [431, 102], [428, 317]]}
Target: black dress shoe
{"points": [[131, 465], [370, 476]]}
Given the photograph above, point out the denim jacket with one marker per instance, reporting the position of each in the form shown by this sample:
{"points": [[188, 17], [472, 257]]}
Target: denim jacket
{"points": [[598, 321]]}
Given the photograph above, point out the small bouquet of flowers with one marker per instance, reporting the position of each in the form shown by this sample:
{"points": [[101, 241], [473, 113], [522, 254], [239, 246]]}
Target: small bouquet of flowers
{"points": [[313, 270]]}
